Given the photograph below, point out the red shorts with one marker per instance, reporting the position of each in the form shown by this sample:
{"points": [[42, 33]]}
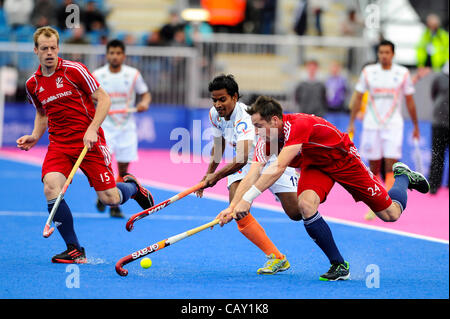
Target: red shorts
{"points": [[96, 164], [352, 174]]}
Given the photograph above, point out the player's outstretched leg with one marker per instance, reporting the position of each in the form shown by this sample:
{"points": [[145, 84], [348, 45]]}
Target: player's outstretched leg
{"points": [[405, 179], [143, 197], [416, 180]]}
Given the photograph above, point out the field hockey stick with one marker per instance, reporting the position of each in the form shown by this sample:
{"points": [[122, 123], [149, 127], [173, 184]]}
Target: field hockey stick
{"points": [[130, 223], [48, 230], [158, 246], [122, 111]]}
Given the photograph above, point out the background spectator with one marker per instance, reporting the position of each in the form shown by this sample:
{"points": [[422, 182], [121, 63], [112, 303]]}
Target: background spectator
{"points": [[168, 30], [18, 12], [301, 18], [154, 38], [310, 95], [93, 18], [432, 50], [352, 26], [318, 7], [43, 13], [195, 29], [78, 36], [336, 85], [260, 16], [440, 127]]}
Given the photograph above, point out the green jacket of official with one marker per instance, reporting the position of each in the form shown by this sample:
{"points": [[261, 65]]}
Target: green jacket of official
{"points": [[438, 43]]}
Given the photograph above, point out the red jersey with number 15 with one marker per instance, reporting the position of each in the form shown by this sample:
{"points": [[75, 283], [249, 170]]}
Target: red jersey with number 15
{"points": [[322, 143], [65, 97]]}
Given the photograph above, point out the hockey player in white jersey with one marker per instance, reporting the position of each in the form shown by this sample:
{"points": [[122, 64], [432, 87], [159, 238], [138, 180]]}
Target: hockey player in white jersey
{"points": [[122, 83], [231, 124], [388, 84]]}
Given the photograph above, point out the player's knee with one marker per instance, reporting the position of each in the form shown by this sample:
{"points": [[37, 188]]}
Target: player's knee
{"points": [[109, 198], [393, 217], [389, 215], [307, 207], [51, 190]]}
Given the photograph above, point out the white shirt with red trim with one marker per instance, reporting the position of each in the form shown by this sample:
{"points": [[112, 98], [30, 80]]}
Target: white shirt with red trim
{"points": [[387, 89], [122, 88], [238, 128]]}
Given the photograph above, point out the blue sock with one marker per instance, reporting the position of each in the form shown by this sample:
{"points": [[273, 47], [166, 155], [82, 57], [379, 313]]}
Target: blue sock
{"points": [[398, 192], [318, 230], [126, 190], [63, 221]]}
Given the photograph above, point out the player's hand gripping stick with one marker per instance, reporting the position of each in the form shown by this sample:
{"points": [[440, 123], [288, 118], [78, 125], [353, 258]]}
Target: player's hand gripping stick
{"points": [[130, 223], [158, 246], [48, 230]]}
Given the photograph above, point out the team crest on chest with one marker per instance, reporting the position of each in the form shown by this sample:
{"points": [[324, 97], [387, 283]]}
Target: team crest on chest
{"points": [[59, 82]]}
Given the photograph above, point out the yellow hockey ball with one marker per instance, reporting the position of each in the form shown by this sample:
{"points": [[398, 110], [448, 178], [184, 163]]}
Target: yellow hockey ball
{"points": [[146, 262]]}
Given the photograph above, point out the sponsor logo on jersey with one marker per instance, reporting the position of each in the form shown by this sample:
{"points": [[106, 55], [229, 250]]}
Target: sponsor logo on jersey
{"points": [[241, 127], [56, 96], [59, 82]]}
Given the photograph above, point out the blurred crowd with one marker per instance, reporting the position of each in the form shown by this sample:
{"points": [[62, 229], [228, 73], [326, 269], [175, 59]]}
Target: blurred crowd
{"points": [[19, 17], [319, 92]]}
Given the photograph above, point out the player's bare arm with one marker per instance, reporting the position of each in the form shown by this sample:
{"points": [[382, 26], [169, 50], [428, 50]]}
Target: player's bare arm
{"points": [[239, 161], [144, 102], [411, 106], [217, 151], [355, 106], [103, 105], [252, 176], [26, 142]]}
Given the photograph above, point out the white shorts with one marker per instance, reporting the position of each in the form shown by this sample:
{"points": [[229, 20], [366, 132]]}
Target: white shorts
{"points": [[381, 143], [123, 144], [287, 183]]}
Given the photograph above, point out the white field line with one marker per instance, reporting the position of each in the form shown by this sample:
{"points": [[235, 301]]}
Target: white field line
{"points": [[218, 197]]}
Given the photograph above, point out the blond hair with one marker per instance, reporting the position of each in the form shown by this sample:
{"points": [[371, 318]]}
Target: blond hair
{"points": [[47, 32]]}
